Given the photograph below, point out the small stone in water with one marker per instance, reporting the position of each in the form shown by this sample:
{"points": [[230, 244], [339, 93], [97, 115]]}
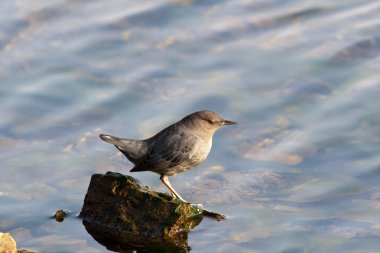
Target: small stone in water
{"points": [[60, 215]]}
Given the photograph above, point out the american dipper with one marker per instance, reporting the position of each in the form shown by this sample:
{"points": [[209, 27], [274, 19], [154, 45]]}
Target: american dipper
{"points": [[175, 149]]}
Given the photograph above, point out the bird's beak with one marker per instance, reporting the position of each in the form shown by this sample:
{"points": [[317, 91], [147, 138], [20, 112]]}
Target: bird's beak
{"points": [[228, 122]]}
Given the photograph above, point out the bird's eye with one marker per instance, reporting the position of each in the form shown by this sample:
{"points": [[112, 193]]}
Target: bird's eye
{"points": [[211, 122]]}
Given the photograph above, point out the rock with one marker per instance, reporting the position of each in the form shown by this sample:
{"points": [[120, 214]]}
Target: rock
{"points": [[60, 215], [7, 243], [121, 214]]}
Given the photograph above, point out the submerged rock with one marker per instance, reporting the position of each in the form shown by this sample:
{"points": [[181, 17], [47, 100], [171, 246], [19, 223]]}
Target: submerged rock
{"points": [[121, 214]]}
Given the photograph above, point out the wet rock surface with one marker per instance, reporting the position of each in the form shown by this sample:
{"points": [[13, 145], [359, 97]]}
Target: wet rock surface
{"points": [[122, 214]]}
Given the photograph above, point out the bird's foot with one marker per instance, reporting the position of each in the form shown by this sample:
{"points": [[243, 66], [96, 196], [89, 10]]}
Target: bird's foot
{"points": [[179, 198]]}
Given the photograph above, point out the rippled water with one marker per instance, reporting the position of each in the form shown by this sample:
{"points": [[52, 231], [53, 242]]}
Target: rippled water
{"points": [[299, 173]]}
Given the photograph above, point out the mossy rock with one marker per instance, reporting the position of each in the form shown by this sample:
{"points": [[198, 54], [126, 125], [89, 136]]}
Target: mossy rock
{"points": [[120, 210]]}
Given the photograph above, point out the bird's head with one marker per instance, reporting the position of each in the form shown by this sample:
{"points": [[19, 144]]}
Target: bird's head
{"points": [[206, 121]]}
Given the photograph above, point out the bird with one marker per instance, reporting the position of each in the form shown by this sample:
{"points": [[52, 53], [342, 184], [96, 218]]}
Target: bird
{"points": [[179, 147]]}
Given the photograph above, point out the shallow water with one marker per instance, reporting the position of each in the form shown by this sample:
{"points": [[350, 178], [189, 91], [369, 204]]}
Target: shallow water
{"points": [[299, 173]]}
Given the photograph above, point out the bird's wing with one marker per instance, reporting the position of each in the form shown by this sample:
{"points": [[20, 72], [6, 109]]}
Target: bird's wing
{"points": [[168, 151]]}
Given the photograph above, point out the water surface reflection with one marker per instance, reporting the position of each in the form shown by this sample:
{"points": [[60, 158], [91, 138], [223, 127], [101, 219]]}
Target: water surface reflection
{"points": [[300, 171]]}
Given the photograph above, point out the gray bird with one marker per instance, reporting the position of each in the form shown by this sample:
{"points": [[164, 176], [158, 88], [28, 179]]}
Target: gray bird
{"points": [[177, 148]]}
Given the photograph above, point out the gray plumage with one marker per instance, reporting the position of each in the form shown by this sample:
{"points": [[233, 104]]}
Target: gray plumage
{"points": [[177, 148]]}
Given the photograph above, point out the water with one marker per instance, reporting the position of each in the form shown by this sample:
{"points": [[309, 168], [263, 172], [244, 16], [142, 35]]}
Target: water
{"points": [[299, 173]]}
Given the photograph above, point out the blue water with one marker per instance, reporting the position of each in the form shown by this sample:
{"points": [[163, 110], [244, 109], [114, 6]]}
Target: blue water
{"points": [[300, 171]]}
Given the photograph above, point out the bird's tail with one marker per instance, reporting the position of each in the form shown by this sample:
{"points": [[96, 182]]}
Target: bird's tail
{"points": [[132, 149], [111, 139]]}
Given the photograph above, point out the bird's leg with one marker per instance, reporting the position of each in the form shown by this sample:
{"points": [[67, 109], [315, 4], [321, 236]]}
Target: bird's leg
{"points": [[165, 181]]}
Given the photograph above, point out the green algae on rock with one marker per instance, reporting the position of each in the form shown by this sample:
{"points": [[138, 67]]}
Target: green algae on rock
{"points": [[119, 209]]}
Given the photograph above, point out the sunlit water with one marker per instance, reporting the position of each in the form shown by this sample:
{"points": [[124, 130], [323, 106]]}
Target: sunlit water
{"points": [[299, 173]]}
